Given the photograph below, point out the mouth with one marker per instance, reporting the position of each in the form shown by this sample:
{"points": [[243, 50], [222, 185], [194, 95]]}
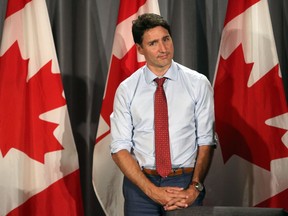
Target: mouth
{"points": [[165, 56]]}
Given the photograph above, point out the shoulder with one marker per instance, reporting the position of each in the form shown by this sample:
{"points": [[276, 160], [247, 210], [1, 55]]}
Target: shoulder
{"points": [[190, 74], [131, 82]]}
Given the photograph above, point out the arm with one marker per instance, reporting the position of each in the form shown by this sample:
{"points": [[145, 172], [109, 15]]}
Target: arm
{"points": [[132, 171], [203, 162]]}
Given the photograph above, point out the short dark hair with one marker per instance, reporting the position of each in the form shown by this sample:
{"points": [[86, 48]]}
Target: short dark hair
{"points": [[145, 22]]}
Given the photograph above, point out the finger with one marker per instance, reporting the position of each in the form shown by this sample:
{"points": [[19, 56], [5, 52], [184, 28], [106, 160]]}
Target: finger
{"points": [[171, 208], [178, 205], [174, 188], [181, 204], [177, 201], [172, 191]]}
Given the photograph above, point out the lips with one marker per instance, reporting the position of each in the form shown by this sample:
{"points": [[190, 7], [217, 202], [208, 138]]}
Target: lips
{"points": [[163, 56]]}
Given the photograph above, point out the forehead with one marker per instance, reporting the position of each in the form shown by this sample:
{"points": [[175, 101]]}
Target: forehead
{"points": [[155, 33]]}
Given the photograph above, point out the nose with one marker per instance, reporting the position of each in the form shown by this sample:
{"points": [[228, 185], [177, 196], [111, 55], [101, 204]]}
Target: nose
{"points": [[162, 47]]}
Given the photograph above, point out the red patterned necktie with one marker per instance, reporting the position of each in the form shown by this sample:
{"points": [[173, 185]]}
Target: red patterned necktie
{"points": [[162, 147]]}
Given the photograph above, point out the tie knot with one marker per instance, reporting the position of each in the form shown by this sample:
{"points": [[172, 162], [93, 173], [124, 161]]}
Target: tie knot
{"points": [[160, 81]]}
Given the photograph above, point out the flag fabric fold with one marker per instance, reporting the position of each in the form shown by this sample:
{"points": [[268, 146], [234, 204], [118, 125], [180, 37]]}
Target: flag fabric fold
{"points": [[251, 113], [38, 161], [107, 178]]}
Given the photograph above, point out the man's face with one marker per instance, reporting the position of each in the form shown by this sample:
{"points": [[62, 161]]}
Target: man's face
{"points": [[158, 50]]}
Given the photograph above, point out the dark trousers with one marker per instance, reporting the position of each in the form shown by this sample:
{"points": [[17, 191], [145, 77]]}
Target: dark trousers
{"points": [[138, 204]]}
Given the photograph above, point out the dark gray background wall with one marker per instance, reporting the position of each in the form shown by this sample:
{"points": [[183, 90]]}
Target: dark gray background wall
{"points": [[83, 31]]}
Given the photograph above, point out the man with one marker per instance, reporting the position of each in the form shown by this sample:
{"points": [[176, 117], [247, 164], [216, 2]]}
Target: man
{"points": [[190, 105]]}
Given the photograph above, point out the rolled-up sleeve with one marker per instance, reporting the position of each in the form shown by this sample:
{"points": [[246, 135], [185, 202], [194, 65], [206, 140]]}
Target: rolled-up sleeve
{"points": [[121, 122], [204, 113]]}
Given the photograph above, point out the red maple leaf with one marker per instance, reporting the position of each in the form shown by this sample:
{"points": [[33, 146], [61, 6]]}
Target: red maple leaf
{"points": [[241, 112], [23, 102]]}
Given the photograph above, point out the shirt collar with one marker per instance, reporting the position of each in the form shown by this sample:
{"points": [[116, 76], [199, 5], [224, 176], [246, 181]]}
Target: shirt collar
{"points": [[171, 74]]}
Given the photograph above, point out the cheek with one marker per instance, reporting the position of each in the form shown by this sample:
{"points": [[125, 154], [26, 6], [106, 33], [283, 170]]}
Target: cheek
{"points": [[152, 54], [171, 47]]}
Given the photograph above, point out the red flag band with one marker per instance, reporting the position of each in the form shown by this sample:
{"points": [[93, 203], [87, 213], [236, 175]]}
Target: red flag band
{"points": [[251, 112], [38, 161]]}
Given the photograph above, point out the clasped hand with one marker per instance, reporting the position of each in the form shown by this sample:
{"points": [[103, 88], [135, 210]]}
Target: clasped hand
{"points": [[176, 198]]}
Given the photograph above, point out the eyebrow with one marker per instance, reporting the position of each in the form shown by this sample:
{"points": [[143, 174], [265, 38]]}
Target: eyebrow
{"points": [[153, 41], [166, 36]]}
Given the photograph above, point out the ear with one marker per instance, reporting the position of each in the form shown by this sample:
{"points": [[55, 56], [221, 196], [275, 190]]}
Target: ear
{"points": [[139, 48]]}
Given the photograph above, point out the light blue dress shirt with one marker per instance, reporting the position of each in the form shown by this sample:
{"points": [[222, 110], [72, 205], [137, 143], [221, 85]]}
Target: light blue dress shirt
{"points": [[190, 109]]}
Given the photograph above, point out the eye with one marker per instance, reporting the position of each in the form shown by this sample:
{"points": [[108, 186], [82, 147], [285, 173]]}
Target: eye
{"points": [[152, 43], [167, 38]]}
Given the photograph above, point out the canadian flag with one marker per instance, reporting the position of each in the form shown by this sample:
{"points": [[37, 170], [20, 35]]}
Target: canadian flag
{"points": [[251, 162], [38, 161], [107, 178]]}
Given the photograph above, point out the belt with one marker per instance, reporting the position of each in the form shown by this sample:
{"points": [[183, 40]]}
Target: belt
{"points": [[174, 172]]}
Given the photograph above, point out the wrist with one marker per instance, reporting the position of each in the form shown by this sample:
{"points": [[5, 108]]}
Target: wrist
{"points": [[197, 185]]}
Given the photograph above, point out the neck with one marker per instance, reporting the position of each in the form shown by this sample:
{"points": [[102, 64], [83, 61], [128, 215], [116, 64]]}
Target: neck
{"points": [[159, 71]]}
